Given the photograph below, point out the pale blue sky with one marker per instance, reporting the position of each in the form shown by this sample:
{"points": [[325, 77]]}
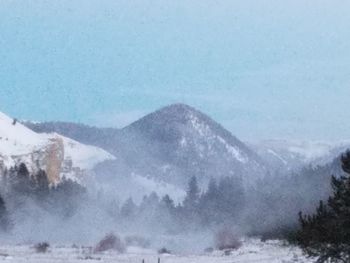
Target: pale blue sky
{"points": [[262, 68]]}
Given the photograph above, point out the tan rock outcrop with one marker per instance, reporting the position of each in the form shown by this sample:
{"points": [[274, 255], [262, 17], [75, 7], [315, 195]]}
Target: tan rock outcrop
{"points": [[54, 159]]}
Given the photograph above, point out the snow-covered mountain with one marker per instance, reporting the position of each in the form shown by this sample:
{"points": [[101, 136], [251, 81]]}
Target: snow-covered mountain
{"points": [[59, 156], [168, 146], [287, 155], [178, 141]]}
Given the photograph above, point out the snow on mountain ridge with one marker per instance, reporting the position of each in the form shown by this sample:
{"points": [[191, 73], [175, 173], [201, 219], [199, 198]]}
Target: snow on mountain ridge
{"points": [[294, 154], [15, 139], [190, 143], [167, 146], [83, 156], [205, 131], [54, 153]]}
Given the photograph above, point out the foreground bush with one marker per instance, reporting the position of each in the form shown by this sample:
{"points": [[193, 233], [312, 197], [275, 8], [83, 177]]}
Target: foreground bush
{"points": [[226, 239], [164, 251], [42, 247], [110, 242]]}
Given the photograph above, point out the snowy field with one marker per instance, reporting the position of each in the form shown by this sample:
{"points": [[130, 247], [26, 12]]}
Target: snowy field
{"points": [[251, 251]]}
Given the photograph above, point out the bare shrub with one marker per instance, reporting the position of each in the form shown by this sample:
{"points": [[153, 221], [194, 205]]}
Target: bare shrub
{"points": [[75, 246], [209, 250], [110, 242], [226, 239], [137, 241], [42, 247], [164, 251]]}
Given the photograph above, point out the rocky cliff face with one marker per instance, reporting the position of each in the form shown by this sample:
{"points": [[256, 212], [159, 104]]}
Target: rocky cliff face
{"points": [[54, 160], [49, 158]]}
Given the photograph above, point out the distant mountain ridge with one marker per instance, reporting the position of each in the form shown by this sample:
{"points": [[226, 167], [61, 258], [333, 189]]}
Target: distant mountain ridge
{"points": [[292, 155], [170, 145], [99, 137], [165, 148]]}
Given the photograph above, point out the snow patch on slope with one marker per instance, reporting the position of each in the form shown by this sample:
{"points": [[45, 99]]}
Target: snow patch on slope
{"points": [[205, 131], [277, 156], [200, 127], [233, 151], [83, 156]]}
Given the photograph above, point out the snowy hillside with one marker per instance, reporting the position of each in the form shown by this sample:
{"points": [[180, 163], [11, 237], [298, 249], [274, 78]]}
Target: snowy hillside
{"points": [[52, 152], [168, 146], [178, 141], [17, 139], [292, 155]]}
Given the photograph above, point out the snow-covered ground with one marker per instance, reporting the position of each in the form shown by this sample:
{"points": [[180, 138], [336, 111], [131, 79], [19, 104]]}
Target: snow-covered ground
{"points": [[251, 251]]}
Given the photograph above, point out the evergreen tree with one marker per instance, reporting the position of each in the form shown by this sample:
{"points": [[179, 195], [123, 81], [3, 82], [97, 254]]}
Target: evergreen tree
{"points": [[150, 203], [148, 208], [167, 216], [128, 210], [42, 185], [4, 216], [64, 198], [213, 191], [231, 197], [192, 194], [209, 203], [326, 234], [167, 203], [22, 184]]}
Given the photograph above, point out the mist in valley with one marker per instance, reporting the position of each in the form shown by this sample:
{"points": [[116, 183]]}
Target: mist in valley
{"points": [[159, 211]]}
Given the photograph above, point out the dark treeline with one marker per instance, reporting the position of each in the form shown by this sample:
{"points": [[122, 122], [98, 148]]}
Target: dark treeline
{"points": [[274, 203], [19, 189], [268, 209], [221, 203], [325, 234]]}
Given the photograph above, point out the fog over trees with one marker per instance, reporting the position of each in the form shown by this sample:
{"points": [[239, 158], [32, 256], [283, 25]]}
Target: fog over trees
{"points": [[179, 182], [268, 209]]}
